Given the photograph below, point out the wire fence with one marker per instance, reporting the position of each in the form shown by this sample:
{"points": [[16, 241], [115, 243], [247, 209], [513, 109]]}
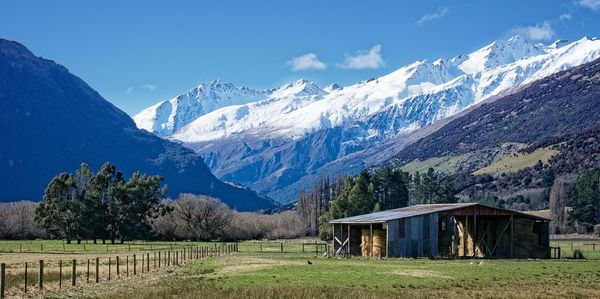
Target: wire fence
{"points": [[22, 279]]}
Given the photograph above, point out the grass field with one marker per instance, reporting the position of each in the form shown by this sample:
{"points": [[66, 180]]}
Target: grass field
{"points": [[251, 273], [272, 275]]}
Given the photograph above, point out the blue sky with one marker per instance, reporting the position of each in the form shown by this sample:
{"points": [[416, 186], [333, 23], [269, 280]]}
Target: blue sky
{"points": [[136, 53]]}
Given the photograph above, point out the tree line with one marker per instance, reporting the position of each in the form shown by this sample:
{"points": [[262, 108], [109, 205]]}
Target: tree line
{"points": [[102, 205], [575, 203], [383, 189], [107, 206]]}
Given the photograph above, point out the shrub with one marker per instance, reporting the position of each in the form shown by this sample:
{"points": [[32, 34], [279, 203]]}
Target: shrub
{"points": [[597, 230], [578, 254]]}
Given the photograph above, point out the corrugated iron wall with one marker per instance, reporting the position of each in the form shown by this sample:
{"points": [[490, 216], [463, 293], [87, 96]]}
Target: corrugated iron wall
{"points": [[413, 237]]}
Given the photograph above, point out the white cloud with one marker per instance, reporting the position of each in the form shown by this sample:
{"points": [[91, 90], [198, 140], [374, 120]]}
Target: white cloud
{"points": [[149, 87], [591, 4], [364, 59], [438, 14], [541, 31], [129, 90], [308, 61], [565, 17]]}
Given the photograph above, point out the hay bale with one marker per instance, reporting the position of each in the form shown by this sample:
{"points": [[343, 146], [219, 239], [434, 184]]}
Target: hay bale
{"points": [[365, 243], [379, 243]]}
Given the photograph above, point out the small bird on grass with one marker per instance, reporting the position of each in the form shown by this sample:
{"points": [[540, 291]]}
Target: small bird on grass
{"points": [[309, 262]]}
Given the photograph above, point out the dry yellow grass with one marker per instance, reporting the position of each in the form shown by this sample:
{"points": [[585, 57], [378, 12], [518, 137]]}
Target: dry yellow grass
{"points": [[516, 162]]}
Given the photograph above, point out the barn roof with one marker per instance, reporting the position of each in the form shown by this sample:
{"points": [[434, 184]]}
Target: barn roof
{"points": [[416, 210]]}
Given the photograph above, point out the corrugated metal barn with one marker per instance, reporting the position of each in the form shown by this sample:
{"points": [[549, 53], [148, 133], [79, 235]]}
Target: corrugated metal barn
{"points": [[443, 231]]}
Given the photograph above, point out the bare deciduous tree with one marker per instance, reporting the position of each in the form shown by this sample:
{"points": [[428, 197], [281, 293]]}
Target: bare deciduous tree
{"points": [[203, 217], [558, 205], [16, 221]]}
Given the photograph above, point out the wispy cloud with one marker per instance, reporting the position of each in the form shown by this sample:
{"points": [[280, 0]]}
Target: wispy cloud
{"points": [[308, 61], [541, 31], [149, 87], [438, 14], [129, 90], [565, 17], [364, 59], [591, 4]]}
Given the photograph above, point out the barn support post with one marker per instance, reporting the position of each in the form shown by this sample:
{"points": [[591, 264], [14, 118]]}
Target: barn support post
{"points": [[371, 240], [348, 245], [512, 235], [474, 234], [465, 236], [333, 237], [454, 237], [387, 237]]}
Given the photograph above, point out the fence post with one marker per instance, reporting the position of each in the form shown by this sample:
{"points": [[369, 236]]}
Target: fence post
{"points": [[134, 265], [159, 259], [168, 258], [281, 247], [109, 266], [127, 261], [148, 262], [2, 279], [74, 272], [260, 246], [118, 270], [143, 264], [87, 275], [177, 258], [155, 260], [60, 274], [25, 277], [41, 275], [97, 269]]}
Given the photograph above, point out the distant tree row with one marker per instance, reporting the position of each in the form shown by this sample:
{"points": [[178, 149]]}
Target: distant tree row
{"points": [[201, 218], [190, 217], [102, 205], [312, 204], [382, 190]]}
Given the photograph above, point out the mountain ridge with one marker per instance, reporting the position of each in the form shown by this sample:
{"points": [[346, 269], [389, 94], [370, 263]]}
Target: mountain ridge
{"points": [[367, 114], [53, 121]]}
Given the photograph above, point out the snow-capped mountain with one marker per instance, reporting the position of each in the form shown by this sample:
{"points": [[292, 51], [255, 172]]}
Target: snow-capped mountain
{"points": [[166, 117], [365, 114]]}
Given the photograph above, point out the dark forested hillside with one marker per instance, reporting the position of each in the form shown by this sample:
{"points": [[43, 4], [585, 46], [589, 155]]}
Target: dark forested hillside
{"points": [[51, 121]]}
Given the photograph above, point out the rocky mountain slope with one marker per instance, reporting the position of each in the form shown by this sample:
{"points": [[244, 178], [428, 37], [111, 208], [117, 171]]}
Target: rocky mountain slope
{"points": [[509, 151], [51, 121], [559, 104]]}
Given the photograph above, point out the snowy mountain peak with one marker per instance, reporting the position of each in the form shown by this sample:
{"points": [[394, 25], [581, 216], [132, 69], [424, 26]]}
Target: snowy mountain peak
{"points": [[299, 87], [332, 87], [498, 53], [167, 116], [558, 43], [412, 96]]}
